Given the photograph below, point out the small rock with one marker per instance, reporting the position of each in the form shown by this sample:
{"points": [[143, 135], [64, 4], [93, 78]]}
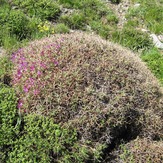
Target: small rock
{"points": [[137, 5], [15, 7], [160, 37], [2, 52], [145, 30], [156, 41]]}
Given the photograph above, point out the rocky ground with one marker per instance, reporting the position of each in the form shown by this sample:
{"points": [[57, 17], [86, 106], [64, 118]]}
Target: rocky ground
{"points": [[121, 10]]}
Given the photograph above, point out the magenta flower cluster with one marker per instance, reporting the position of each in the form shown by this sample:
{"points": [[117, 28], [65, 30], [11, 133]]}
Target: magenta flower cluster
{"points": [[32, 68]]}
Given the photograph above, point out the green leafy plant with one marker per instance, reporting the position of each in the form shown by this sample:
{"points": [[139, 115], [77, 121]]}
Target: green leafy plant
{"points": [[34, 138], [148, 15], [41, 141], [132, 38], [9, 120], [5, 70], [74, 21], [44, 9], [61, 28]]}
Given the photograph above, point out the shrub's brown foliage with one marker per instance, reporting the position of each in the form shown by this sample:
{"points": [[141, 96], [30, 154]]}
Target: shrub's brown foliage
{"points": [[142, 151], [99, 88]]}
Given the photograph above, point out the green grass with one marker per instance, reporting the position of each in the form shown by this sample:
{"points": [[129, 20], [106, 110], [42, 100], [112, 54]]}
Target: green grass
{"points": [[89, 15], [43, 9], [24, 21], [133, 39], [5, 68], [16, 27], [61, 28], [74, 21], [148, 15], [154, 60]]}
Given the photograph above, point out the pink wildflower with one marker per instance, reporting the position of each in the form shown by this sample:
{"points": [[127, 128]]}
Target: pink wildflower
{"points": [[31, 80], [20, 104], [42, 53], [19, 72], [26, 89], [39, 73], [43, 65], [58, 47], [32, 68], [55, 62], [36, 92]]}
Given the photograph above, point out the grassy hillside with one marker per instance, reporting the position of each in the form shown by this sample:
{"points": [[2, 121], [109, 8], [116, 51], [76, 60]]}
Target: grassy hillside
{"points": [[67, 94]]}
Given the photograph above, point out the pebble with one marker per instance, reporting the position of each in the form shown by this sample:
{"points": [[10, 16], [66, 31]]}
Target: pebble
{"points": [[160, 37], [137, 5], [2, 52], [156, 41]]}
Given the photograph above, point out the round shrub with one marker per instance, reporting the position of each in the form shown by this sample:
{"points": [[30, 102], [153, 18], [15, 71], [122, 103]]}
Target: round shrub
{"points": [[84, 82], [141, 150]]}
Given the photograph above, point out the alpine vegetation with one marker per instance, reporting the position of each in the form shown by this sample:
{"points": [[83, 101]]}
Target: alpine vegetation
{"points": [[103, 91]]}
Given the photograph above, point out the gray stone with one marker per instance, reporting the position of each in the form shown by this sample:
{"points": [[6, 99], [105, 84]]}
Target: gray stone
{"points": [[136, 5], [2, 52], [160, 37], [156, 41]]}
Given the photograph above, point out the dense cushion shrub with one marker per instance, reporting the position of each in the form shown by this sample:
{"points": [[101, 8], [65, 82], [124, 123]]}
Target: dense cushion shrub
{"points": [[9, 119], [141, 150], [102, 90]]}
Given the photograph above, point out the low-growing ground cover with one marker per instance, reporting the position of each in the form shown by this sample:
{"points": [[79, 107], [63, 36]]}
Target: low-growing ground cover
{"points": [[30, 20], [147, 16], [154, 60]]}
